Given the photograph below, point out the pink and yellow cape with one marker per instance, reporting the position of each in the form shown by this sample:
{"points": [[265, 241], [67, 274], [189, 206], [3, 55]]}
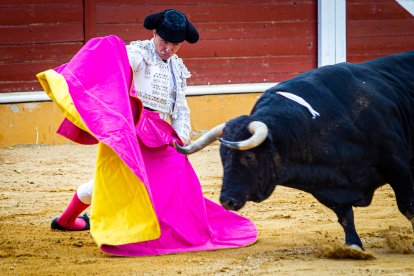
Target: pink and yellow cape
{"points": [[147, 199]]}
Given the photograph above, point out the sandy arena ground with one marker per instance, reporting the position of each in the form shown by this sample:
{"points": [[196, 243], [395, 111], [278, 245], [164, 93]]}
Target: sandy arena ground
{"points": [[297, 235]]}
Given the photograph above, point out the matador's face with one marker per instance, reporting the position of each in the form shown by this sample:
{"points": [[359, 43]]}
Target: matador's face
{"points": [[164, 48]]}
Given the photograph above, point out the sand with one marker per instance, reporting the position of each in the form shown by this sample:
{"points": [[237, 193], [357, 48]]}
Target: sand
{"points": [[297, 235]]}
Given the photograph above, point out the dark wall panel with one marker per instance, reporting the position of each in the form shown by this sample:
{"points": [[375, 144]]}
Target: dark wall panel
{"points": [[377, 28], [241, 40], [36, 36]]}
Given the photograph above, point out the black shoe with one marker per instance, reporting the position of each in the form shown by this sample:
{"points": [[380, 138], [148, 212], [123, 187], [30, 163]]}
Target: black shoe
{"points": [[57, 226]]}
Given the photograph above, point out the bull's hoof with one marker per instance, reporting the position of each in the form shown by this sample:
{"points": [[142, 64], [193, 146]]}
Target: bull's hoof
{"points": [[355, 247], [349, 251]]}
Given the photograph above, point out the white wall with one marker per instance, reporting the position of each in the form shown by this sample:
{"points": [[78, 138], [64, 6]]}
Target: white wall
{"points": [[331, 31]]}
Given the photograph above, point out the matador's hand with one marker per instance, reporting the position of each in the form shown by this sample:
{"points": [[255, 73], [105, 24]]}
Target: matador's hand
{"points": [[187, 142]]}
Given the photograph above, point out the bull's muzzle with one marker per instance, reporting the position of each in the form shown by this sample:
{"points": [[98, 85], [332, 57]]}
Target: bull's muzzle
{"points": [[230, 203]]}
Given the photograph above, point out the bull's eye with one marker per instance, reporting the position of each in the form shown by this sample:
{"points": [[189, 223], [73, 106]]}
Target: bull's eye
{"points": [[248, 159]]}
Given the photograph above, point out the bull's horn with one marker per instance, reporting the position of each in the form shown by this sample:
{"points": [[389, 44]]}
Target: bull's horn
{"points": [[206, 139], [259, 131]]}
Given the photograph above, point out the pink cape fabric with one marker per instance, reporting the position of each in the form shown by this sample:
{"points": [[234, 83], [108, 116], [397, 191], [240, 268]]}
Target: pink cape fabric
{"points": [[99, 78]]}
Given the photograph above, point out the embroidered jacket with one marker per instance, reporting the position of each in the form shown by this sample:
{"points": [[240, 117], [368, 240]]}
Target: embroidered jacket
{"points": [[161, 85]]}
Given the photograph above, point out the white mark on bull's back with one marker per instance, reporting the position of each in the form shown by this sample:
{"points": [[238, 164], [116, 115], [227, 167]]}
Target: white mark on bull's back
{"points": [[300, 101]]}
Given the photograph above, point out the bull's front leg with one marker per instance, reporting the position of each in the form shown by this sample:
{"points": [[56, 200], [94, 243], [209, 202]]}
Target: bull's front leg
{"points": [[345, 216]]}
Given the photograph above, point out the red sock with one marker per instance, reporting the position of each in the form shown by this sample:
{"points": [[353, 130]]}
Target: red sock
{"points": [[69, 219]]}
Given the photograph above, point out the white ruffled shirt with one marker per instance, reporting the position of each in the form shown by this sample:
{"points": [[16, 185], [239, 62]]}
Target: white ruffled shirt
{"points": [[161, 85]]}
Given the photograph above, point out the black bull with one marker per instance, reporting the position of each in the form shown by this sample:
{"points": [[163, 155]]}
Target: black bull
{"points": [[362, 139]]}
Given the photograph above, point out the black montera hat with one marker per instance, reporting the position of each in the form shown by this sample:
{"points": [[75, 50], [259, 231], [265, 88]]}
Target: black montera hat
{"points": [[172, 26]]}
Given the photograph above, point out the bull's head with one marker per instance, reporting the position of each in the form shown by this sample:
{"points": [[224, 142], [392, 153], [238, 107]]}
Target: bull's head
{"points": [[247, 155]]}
